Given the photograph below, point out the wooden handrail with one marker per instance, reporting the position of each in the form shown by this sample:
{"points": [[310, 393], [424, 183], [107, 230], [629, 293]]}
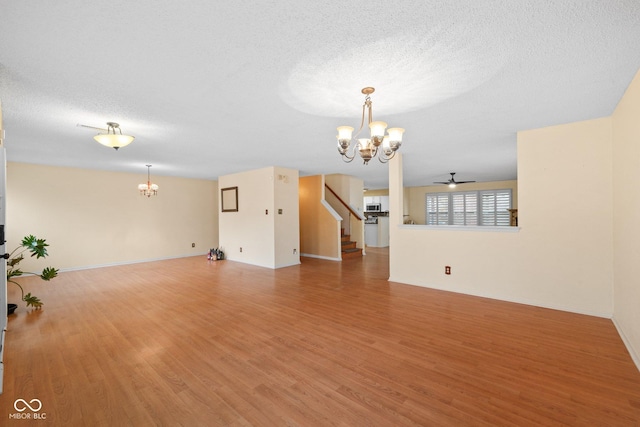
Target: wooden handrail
{"points": [[343, 203]]}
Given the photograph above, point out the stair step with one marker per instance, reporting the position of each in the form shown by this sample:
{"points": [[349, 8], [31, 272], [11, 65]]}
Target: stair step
{"points": [[352, 253], [348, 245]]}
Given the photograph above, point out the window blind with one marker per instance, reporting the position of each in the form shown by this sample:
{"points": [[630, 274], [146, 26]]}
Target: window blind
{"points": [[472, 208]]}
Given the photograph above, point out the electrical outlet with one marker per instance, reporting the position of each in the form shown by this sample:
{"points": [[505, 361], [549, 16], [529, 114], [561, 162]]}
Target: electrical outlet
{"points": [[447, 269], [241, 249], [193, 245], [295, 251]]}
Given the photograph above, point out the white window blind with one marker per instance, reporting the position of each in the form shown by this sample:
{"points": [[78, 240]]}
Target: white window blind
{"points": [[465, 208], [495, 207], [472, 208], [437, 209]]}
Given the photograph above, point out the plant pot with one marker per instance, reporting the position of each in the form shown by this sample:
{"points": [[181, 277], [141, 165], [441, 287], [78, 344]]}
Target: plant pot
{"points": [[11, 308]]}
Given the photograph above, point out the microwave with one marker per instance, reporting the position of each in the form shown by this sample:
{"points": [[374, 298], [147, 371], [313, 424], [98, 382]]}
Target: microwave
{"points": [[373, 207]]}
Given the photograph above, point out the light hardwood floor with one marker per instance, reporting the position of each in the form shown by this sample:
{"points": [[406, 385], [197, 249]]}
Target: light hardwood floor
{"points": [[195, 343]]}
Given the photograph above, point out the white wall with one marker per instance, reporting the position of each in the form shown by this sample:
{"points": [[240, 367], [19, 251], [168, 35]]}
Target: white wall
{"points": [[626, 203], [561, 255], [96, 218], [253, 227], [287, 223]]}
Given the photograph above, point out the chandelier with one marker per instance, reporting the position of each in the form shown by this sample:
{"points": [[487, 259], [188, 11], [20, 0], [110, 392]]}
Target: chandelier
{"points": [[379, 143], [114, 137], [148, 189]]}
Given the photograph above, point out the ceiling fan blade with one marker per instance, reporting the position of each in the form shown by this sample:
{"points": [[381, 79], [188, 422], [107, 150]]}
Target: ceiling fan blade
{"points": [[463, 182], [441, 182]]}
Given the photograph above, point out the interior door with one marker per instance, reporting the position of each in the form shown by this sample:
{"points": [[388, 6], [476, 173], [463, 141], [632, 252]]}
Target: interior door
{"points": [[3, 263]]}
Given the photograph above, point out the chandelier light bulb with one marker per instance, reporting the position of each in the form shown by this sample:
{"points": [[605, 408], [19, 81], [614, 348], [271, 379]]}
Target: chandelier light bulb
{"points": [[366, 149], [377, 132], [344, 133]]}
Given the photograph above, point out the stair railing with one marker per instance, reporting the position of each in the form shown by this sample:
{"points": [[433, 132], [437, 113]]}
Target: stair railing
{"points": [[351, 211]]}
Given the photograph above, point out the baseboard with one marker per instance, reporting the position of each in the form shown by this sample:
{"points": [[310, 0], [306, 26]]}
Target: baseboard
{"points": [[115, 264], [627, 343], [292, 264], [606, 315], [321, 257]]}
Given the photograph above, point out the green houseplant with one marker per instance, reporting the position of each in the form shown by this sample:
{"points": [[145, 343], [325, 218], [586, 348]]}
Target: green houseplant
{"points": [[38, 248]]}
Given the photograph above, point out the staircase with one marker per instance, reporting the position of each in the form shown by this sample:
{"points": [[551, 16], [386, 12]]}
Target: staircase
{"points": [[349, 249]]}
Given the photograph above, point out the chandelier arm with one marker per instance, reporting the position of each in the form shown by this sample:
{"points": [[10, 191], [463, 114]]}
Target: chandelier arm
{"points": [[364, 106], [385, 157], [350, 157]]}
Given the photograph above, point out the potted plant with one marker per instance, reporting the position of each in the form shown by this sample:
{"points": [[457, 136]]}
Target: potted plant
{"points": [[38, 248]]}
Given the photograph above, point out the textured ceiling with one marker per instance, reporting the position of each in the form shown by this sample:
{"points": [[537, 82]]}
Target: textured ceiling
{"points": [[210, 88]]}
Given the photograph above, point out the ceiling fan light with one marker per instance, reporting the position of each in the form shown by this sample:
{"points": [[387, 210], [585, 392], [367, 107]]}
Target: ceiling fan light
{"points": [[452, 185]]}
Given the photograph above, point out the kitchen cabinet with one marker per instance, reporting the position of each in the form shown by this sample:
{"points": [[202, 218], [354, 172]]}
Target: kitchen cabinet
{"points": [[382, 200], [377, 235], [371, 234], [372, 199], [384, 203]]}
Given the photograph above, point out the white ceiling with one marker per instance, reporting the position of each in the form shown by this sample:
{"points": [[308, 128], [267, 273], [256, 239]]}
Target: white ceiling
{"points": [[210, 88]]}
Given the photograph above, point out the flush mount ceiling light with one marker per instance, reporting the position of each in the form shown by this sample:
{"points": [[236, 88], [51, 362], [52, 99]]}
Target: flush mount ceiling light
{"points": [[369, 147], [114, 137], [148, 189]]}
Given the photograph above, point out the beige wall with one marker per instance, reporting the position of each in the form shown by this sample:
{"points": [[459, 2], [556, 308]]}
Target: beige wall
{"points": [[349, 188], [319, 228], [626, 205], [340, 185], [371, 193], [253, 227], [416, 195], [561, 255], [96, 218], [356, 186]]}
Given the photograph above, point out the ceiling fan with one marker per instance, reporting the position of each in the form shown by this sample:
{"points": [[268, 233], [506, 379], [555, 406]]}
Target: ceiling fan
{"points": [[452, 182]]}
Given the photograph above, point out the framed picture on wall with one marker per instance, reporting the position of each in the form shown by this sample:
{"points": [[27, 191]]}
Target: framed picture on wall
{"points": [[229, 197]]}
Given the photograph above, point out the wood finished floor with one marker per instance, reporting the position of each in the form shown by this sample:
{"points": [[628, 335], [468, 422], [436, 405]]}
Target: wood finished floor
{"points": [[194, 343]]}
